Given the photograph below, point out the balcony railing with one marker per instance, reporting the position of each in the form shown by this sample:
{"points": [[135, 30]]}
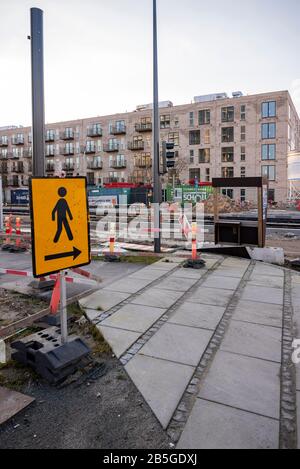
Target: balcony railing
{"points": [[147, 127], [66, 135], [3, 156], [68, 167], [13, 183], [94, 132], [50, 153], [117, 164], [134, 146], [142, 163], [13, 156], [19, 169], [95, 165], [4, 169], [67, 151], [89, 150], [118, 130], [112, 180], [3, 143], [18, 141], [111, 147], [49, 168], [27, 154]]}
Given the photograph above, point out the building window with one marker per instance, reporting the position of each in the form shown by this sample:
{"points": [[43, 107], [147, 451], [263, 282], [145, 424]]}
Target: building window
{"points": [[227, 193], [268, 131], [4, 140], [243, 133], [227, 114], [227, 134], [243, 112], [269, 172], [194, 137], [243, 172], [243, 195], [271, 195], [207, 175], [191, 156], [228, 155], [204, 155], [207, 136], [204, 116], [176, 121], [228, 172], [243, 153], [191, 119], [173, 137], [268, 109], [194, 173], [268, 152], [165, 121]]}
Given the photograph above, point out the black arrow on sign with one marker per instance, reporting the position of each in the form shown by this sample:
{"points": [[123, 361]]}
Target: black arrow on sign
{"points": [[75, 253]]}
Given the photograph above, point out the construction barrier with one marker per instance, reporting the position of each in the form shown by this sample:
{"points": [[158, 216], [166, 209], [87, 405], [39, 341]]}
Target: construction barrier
{"points": [[25, 273]]}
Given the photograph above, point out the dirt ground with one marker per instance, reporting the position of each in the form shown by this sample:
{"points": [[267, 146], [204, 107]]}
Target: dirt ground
{"points": [[104, 411], [14, 307]]}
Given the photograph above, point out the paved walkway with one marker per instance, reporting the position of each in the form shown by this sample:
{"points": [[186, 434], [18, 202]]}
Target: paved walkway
{"points": [[209, 350]]}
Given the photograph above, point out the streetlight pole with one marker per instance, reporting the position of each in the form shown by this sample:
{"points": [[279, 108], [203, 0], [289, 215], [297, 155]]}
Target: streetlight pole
{"points": [[155, 119]]}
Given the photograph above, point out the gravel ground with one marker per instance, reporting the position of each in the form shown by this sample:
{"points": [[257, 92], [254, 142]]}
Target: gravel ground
{"points": [[14, 307]]}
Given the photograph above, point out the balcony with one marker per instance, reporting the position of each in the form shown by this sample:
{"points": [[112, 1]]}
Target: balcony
{"points": [[67, 151], [14, 182], [95, 165], [68, 167], [118, 130], [50, 138], [13, 156], [147, 127], [19, 169], [110, 148], [49, 168], [3, 143], [67, 135], [18, 141], [136, 145], [112, 180], [51, 153], [3, 169], [3, 156], [89, 150], [27, 154], [141, 163], [117, 164], [93, 132]]}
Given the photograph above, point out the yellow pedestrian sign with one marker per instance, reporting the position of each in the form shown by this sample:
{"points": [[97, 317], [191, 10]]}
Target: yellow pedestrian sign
{"points": [[59, 224]]}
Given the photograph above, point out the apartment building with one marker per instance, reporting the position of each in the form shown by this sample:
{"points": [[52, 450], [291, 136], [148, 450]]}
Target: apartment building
{"points": [[214, 136]]}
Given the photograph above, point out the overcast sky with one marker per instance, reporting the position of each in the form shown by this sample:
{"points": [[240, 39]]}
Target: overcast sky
{"points": [[98, 56]]}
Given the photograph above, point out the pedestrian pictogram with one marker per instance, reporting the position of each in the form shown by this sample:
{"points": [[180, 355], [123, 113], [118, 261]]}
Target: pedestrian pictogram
{"points": [[60, 224]]}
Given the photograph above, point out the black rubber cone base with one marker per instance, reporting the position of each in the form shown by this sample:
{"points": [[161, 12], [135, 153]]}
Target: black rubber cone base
{"points": [[194, 264]]}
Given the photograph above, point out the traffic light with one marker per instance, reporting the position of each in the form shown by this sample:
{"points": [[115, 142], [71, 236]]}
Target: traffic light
{"points": [[168, 155]]}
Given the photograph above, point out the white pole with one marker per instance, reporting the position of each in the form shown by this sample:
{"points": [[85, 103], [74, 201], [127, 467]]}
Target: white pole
{"points": [[63, 308]]}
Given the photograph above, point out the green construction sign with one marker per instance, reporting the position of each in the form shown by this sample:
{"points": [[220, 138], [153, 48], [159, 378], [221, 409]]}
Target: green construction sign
{"points": [[188, 194]]}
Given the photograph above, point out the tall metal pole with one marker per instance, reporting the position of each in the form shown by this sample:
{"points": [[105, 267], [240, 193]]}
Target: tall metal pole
{"points": [[37, 84], [156, 177]]}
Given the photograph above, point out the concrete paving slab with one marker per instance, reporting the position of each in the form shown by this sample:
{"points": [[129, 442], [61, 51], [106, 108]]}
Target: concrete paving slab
{"points": [[103, 300], [296, 280], [253, 340], [161, 383], [265, 269], [266, 281], [238, 429], [188, 273], [11, 403], [259, 313], [134, 318], [157, 298], [263, 294], [216, 281], [148, 274], [177, 284], [164, 265], [179, 344], [126, 285], [236, 262], [229, 271], [244, 383], [118, 339], [211, 296], [92, 314], [197, 315]]}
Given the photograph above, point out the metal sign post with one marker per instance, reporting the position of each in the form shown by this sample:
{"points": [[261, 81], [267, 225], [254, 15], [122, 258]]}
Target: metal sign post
{"points": [[37, 85], [63, 308], [156, 177]]}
